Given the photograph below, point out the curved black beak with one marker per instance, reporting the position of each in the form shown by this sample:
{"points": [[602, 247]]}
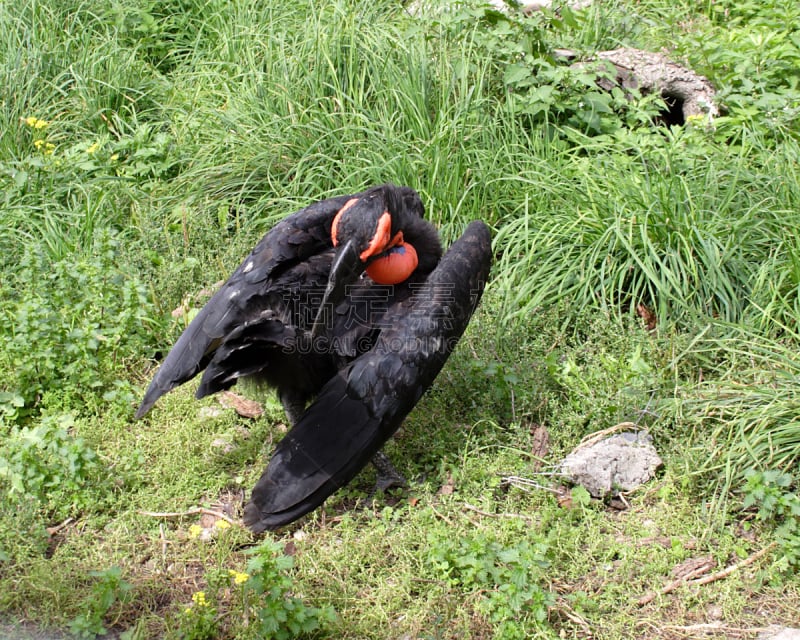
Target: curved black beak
{"points": [[345, 270]]}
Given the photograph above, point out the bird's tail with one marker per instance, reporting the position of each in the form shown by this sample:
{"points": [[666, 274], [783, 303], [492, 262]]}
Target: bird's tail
{"points": [[250, 350]]}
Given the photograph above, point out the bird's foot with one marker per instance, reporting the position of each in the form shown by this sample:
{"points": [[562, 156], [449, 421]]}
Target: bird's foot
{"points": [[388, 476]]}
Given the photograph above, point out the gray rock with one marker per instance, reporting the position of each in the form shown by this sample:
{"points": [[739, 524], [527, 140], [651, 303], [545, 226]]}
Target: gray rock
{"points": [[620, 462]]}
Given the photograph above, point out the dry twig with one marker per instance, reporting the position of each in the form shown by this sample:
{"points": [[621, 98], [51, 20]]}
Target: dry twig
{"points": [[190, 512], [495, 515], [51, 531], [719, 575]]}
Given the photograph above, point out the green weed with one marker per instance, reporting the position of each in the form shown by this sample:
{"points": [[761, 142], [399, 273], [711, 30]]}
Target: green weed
{"points": [[86, 317], [267, 592], [771, 493], [263, 593], [48, 463], [108, 588], [505, 579]]}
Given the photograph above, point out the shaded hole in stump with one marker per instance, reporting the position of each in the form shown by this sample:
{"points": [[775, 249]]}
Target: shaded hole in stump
{"points": [[673, 115]]}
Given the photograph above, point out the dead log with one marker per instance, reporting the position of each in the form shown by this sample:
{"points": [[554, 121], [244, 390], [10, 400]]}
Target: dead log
{"points": [[687, 94]]}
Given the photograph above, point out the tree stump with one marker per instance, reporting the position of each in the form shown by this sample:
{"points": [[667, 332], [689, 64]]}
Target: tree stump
{"points": [[686, 93]]}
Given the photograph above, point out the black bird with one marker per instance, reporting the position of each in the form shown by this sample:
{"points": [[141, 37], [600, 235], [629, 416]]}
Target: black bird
{"points": [[300, 315]]}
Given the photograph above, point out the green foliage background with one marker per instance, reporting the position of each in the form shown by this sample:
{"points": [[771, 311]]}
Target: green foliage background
{"points": [[644, 274]]}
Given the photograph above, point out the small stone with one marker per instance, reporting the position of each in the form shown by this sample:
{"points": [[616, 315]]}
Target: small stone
{"points": [[714, 612], [299, 535], [211, 412], [621, 462], [223, 445]]}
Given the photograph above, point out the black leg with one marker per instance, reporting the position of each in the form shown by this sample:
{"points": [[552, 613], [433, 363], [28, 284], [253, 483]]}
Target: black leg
{"points": [[294, 405], [388, 476]]}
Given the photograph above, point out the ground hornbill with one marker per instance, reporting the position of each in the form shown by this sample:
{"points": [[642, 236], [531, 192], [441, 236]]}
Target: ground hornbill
{"points": [[347, 304]]}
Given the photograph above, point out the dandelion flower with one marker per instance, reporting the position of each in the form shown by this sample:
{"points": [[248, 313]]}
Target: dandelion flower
{"points": [[195, 530], [222, 524]]}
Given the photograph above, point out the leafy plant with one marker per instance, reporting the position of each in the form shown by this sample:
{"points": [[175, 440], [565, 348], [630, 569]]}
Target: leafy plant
{"points": [[86, 318], [108, 588], [22, 530], [537, 87], [504, 579], [199, 620], [47, 463], [752, 53], [771, 493], [264, 594], [278, 614]]}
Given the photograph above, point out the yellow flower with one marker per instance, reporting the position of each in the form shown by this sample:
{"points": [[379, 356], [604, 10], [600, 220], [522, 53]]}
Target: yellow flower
{"points": [[199, 598], [34, 122], [195, 530], [238, 576], [93, 148], [44, 146], [222, 524], [114, 157]]}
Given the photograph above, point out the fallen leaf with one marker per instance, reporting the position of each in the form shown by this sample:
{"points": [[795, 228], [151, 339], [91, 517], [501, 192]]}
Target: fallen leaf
{"points": [[540, 444], [646, 314], [448, 487], [564, 497], [241, 405]]}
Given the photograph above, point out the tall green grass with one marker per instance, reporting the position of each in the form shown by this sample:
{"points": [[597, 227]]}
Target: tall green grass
{"points": [[687, 235], [745, 412]]}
